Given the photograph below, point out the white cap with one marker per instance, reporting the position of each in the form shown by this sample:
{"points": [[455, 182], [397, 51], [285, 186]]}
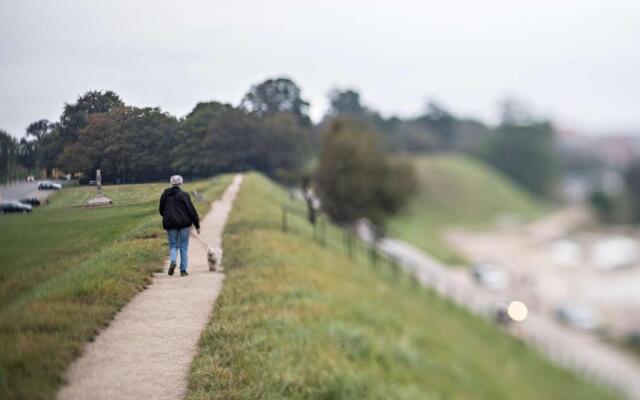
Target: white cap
{"points": [[176, 180]]}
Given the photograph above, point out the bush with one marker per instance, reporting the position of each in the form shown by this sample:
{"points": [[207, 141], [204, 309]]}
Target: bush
{"points": [[355, 179]]}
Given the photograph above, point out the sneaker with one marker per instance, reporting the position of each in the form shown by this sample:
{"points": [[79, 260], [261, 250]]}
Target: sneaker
{"points": [[172, 267], [184, 273]]}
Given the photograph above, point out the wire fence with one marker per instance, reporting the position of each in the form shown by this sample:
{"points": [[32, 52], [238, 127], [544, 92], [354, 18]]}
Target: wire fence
{"points": [[297, 220]]}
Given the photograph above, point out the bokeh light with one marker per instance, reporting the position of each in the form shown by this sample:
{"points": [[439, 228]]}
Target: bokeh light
{"points": [[517, 311]]}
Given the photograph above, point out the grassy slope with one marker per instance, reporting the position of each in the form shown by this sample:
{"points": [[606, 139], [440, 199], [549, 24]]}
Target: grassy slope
{"points": [[297, 320], [65, 270], [458, 191]]}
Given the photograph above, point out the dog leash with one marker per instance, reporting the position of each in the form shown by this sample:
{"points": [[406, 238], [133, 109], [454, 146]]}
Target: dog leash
{"points": [[200, 241]]}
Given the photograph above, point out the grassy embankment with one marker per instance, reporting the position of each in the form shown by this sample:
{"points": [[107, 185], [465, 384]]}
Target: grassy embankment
{"points": [[65, 270], [457, 191], [302, 321]]}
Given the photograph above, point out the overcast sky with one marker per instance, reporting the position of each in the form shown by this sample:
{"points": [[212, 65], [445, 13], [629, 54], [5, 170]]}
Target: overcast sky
{"points": [[576, 61]]}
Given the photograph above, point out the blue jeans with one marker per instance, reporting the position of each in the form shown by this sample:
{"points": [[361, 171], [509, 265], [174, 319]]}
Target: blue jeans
{"points": [[179, 240]]}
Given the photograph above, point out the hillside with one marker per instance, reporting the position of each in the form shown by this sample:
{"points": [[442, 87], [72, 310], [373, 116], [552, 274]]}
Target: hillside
{"points": [[458, 191], [301, 321]]}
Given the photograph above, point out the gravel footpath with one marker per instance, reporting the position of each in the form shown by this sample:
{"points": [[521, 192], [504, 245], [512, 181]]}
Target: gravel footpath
{"points": [[146, 351]]}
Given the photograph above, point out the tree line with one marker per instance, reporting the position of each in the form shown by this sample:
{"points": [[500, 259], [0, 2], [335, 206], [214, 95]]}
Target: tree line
{"points": [[269, 131], [354, 156], [521, 146], [9, 148]]}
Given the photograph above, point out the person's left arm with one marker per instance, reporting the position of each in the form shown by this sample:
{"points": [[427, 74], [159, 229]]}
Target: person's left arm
{"points": [[162, 204]]}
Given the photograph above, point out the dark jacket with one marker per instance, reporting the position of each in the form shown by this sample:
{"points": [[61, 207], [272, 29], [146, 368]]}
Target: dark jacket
{"points": [[177, 210]]}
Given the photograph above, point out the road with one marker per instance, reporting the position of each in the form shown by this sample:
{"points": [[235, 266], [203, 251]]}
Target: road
{"points": [[581, 351], [527, 254], [20, 190]]}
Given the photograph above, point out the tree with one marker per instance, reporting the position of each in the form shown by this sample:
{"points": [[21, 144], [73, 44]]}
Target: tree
{"points": [[217, 137], [49, 148], [285, 146], [525, 153], [614, 208], [127, 143], [356, 180], [41, 145], [276, 95], [233, 141], [514, 112], [632, 183], [38, 129], [345, 103], [74, 116], [27, 156], [436, 130], [524, 149], [411, 137], [30, 147], [8, 156], [441, 122]]}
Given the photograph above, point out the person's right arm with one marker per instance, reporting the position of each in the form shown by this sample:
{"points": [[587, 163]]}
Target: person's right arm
{"points": [[193, 213]]}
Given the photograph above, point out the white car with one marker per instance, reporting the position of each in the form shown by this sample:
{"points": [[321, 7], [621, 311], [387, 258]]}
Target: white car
{"points": [[579, 316], [615, 252], [48, 185], [490, 276]]}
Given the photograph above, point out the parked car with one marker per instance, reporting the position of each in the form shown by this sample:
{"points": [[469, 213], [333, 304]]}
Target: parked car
{"points": [[579, 316], [490, 276], [32, 201], [48, 185], [14, 207]]}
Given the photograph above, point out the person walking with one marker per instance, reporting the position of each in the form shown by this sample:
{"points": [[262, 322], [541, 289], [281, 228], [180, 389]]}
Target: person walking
{"points": [[178, 214]]}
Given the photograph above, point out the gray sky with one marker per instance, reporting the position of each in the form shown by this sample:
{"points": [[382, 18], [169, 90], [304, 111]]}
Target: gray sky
{"points": [[576, 61]]}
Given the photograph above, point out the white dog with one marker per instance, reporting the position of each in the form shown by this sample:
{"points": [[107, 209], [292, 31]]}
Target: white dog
{"points": [[214, 258]]}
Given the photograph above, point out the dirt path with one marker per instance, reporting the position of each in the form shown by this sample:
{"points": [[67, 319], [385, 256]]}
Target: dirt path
{"points": [[146, 351]]}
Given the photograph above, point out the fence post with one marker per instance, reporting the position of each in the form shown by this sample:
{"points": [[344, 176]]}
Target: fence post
{"points": [[324, 233], [344, 240], [373, 254], [354, 245], [394, 265], [415, 281], [284, 218], [314, 231]]}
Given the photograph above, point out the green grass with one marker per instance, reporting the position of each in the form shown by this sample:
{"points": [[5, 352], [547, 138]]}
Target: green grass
{"points": [[457, 191], [296, 320], [65, 270]]}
